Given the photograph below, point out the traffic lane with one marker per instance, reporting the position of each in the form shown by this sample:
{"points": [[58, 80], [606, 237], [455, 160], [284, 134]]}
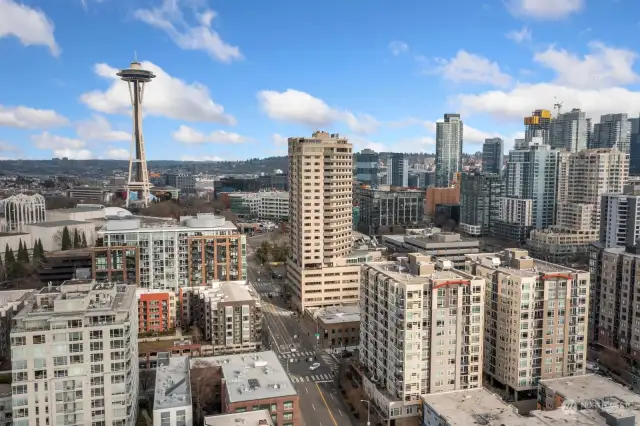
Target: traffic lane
{"points": [[313, 408], [336, 404]]}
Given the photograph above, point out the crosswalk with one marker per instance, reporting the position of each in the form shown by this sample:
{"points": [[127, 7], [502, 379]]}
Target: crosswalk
{"points": [[297, 354], [310, 378], [329, 360]]}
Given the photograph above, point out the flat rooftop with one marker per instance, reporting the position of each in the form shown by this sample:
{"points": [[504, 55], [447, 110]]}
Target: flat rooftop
{"points": [[79, 209], [70, 254], [401, 274], [591, 387], [337, 314], [58, 223], [8, 298], [203, 221], [250, 377], [173, 387], [227, 291], [539, 266], [249, 418]]}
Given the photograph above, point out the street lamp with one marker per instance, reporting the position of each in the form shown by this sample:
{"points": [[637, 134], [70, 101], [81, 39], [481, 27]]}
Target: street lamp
{"points": [[368, 410]]}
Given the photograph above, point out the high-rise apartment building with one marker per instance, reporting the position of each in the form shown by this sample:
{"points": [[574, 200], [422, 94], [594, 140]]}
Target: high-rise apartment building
{"points": [[538, 125], [493, 155], [196, 251], [480, 195], [634, 149], [614, 130], [366, 167], [397, 169], [383, 208], [535, 319], [620, 219], [449, 138], [570, 131], [420, 332], [323, 268], [583, 177], [75, 356]]}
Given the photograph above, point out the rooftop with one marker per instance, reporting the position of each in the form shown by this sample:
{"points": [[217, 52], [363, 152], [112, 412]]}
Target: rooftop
{"points": [[249, 418], [399, 272], [173, 388], [531, 267], [338, 314], [58, 223], [79, 209], [227, 291], [73, 253], [203, 221], [11, 298], [251, 377], [591, 387]]}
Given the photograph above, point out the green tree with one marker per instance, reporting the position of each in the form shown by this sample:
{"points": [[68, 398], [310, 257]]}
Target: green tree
{"points": [[83, 243], [23, 253], [19, 254], [41, 254], [10, 263], [263, 253], [76, 238], [3, 272], [66, 239]]}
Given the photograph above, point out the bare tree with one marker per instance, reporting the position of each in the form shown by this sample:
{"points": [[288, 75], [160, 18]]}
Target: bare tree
{"points": [[196, 334]]}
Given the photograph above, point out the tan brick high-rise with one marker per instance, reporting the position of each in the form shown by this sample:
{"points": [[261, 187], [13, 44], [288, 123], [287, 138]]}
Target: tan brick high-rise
{"points": [[322, 270]]}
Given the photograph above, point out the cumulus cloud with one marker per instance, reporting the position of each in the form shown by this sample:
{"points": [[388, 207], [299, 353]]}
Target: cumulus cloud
{"points": [[30, 26], [398, 47], [114, 153], [544, 9], [467, 67], [189, 135], [520, 36], [169, 18], [209, 158], [62, 146], [294, 106], [30, 118], [165, 96], [98, 128]]}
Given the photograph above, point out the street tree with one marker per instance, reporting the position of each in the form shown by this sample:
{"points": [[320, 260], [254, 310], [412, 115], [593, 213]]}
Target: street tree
{"points": [[65, 243]]}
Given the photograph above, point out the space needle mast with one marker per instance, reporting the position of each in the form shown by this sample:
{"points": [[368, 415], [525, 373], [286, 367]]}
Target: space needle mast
{"points": [[138, 180]]}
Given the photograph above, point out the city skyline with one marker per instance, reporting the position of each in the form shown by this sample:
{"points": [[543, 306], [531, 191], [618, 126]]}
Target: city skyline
{"points": [[225, 93]]}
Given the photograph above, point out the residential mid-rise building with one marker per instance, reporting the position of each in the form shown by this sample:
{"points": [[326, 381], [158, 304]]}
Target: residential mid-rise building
{"points": [[384, 207], [493, 155], [12, 301], [397, 169], [265, 205], [449, 139], [535, 319], [366, 167], [228, 314], [172, 405], [118, 264], [75, 356], [322, 269], [156, 310], [449, 246], [185, 182], [194, 252], [620, 218], [480, 195], [634, 149], [570, 131], [420, 332], [613, 131], [583, 178]]}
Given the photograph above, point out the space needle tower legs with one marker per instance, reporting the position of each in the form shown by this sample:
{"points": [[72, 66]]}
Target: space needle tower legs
{"points": [[138, 180]]}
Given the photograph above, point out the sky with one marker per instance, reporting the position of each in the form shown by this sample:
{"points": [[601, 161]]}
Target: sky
{"points": [[235, 78]]}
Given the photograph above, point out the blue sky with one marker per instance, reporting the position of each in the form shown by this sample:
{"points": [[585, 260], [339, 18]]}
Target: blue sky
{"points": [[236, 77]]}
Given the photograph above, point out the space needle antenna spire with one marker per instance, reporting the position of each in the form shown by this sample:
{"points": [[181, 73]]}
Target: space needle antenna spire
{"points": [[138, 180]]}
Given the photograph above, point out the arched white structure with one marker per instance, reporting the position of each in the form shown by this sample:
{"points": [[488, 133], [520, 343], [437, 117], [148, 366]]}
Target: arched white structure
{"points": [[23, 209]]}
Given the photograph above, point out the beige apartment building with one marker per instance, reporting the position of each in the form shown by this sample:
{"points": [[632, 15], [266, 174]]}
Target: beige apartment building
{"points": [[420, 332], [535, 322], [323, 269], [583, 177]]}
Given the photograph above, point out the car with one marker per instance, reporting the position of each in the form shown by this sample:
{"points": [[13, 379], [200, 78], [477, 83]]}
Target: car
{"points": [[314, 366]]}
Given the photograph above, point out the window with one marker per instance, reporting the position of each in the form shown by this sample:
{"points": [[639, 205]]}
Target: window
{"points": [[287, 416], [96, 335], [274, 408], [39, 339], [181, 418], [288, 405], [165, 419], [241, 409], [95, 346]]}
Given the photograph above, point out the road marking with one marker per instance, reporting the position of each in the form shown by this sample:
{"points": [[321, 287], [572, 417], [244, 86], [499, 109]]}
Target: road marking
{"points": [[340, 413], [326, 405], [306, 390], [313, 406]]}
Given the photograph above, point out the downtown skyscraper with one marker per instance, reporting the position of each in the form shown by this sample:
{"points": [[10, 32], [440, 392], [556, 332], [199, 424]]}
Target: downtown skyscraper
{"points": [[449, 138]]}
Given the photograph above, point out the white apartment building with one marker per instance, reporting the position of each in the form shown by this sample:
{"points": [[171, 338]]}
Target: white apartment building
{"points": [[583, 178], [229, 315], [196, 251], [172, 400], [75, 356], [323, 270], [267, 205], [536, 319], [420, 332], [570, 131]]}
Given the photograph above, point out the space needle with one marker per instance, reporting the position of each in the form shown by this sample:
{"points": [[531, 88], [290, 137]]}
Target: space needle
{"points": [[138, 180]]}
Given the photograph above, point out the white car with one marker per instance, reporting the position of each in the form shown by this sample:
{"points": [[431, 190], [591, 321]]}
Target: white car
{"points": [[314, 366]]}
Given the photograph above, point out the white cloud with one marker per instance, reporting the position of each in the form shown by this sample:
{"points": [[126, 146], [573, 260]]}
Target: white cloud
{"points": [[545, 9], [300, 107], [603, 67], [398, 47], [519, 36], [166, 96], [468, 67], [200, 158], [114, 153], [279, 140], [30, 118], [62, 146], [414, 144], [98, 128], [7, 147], [169, 18], [31, 26], [189, 135]]}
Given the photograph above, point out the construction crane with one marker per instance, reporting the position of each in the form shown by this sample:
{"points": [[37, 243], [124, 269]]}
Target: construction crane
{"points": [[558, 107]]}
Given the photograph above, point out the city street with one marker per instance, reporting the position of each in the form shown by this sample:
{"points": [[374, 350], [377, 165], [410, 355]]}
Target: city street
{"points": [[296, 348]]}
